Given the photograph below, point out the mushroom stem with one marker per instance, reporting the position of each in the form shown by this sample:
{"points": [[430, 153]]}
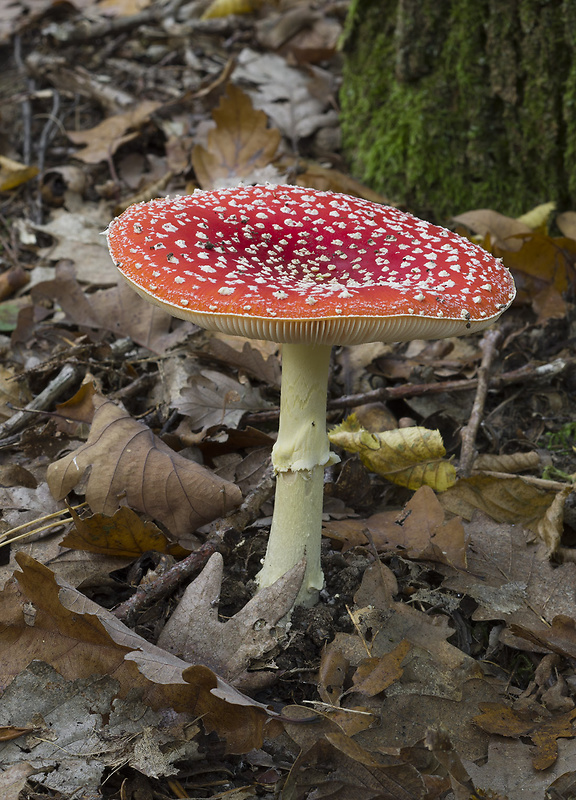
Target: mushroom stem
{"points": [[299, 456]]}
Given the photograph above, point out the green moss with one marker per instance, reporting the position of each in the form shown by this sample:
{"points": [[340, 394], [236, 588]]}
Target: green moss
{"points": [[459, 104]]}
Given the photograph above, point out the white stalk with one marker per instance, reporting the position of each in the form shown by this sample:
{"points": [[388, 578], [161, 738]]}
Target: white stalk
{"points": [[299, 456]]}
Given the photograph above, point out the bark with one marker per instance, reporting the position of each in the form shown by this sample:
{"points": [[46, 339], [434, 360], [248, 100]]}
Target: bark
{"points": [[449, 105]]}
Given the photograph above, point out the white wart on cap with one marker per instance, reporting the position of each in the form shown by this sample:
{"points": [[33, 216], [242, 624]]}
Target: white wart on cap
{"points": [[291, 264]]}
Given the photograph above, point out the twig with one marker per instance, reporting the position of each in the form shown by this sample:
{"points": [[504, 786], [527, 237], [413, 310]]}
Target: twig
{"points": [[489, 346], [67, 376], [167, 583], [520, 375]]}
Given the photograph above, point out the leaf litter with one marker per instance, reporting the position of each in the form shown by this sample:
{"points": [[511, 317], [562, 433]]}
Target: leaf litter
{"points": [[135, 450]]}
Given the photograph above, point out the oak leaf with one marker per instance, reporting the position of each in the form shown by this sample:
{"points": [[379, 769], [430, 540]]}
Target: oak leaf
{"points": [[131, 466], [195, 633], [79, 638]]}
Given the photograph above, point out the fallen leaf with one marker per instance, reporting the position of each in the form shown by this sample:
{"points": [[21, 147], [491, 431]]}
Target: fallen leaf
{"points": [[284, 94], [13, 780], [102, 141], [499, 719], [81, 716], [504, 499], [409, 457], [239, 145], [374, 675], [122, 534], [503, 231], [80, 639], [551, 526], [420, 530], [567, 223], [78, 238], [223, 8], [14, 174], [513, 580], [195, 633], [213, 398], [123, 312], [131, 465], [508, 772], [249, 360]]}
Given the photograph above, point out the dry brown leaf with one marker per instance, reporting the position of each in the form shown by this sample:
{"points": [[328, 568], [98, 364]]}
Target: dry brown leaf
{"points": [[79, 639], [213, 398], [420, 530], [332, 180], [515, 462], [542, 261], [567, 223], [503, 231], [548, 303], [512, 580], [551, 526], [410, 457], [502, 720], [195, 633], [123, 534], [249, 360], [13, 780], [512, 499], [102, 141], [132, 466], [374, 675], [240, 144], [508, 772], [332, 674]]}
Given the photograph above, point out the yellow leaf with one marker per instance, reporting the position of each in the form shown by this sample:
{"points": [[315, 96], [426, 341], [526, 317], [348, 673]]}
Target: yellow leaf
{"points": [[410, 457], [222, 8], [538, 217], [12, 173]]}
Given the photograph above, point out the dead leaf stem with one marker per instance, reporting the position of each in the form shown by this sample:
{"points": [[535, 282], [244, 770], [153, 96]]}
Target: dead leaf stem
{"points": [[489, 346]]}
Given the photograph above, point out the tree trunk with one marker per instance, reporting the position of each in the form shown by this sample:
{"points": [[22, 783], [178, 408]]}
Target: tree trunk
{"points": [[449, 105]]}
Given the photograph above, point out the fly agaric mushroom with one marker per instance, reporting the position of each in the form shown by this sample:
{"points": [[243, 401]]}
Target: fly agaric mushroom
{"points": [[308, 269]]}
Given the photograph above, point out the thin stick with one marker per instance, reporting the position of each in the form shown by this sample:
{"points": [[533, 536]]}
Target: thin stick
{"points": [[489, 345]]}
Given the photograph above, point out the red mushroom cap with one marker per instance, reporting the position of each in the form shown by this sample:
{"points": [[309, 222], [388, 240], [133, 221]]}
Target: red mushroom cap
{"points": [[291, 264]]}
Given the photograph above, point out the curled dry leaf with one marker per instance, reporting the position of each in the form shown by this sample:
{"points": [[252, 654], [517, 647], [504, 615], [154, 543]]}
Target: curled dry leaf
{"points": [[410, 457], [79, 638], [514, 462], [512, 499], [130, 465]]}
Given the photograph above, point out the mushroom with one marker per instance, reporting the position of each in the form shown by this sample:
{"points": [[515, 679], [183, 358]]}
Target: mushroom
{"points": [[308, 269]]}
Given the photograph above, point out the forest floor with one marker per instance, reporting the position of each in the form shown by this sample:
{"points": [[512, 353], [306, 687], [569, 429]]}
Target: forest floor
{"points": [[440, 659]]}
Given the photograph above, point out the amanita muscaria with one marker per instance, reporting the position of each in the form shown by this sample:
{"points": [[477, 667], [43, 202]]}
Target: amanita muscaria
{"points": [[309, 269]]}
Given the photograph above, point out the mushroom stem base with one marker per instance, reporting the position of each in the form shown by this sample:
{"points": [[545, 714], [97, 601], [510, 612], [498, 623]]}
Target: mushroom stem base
{"points": [[300, 454]]}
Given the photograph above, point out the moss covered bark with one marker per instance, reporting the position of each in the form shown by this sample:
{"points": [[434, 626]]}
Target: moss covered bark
{"points": [[449, 105]]}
